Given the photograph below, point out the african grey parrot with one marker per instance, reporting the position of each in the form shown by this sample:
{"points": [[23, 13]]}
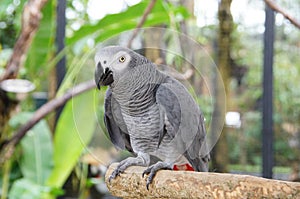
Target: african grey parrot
{"points": [[149, 113]]}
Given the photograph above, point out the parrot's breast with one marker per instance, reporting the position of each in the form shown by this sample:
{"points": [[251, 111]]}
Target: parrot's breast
{"points": [[144, 129]]}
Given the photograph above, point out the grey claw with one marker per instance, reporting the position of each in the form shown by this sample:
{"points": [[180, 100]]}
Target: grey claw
{"points": [[152, 170], [114, 174], [147, 171], [109, 179], [150, 179], [151, 173]]}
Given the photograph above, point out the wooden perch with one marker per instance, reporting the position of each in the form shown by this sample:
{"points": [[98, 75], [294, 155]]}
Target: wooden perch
{"points": [[187, 184]]}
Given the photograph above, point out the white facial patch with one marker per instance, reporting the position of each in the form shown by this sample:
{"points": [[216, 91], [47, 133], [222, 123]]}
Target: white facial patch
{"points": [[121, 61], [103, 60]]}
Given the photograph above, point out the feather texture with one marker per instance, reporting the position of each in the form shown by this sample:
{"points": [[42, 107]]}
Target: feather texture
{"points": [[149, 112]]}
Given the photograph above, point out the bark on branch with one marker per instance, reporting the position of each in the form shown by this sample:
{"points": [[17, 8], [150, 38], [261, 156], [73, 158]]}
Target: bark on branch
{"points": [[276, 8], [141, 22], [186, 184], [30, 22]]}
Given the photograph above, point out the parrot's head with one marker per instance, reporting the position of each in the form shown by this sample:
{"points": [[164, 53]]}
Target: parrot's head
{"points": [[113, 62]]}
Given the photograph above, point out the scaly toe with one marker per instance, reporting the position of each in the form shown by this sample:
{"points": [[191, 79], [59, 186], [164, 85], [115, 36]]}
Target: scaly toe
{"points": [[150, 179], [152, 172], [147, 171], [114, 174]]}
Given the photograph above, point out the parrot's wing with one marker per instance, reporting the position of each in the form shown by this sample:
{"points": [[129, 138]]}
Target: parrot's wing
{"points": [[170, 106], [186, 121], [115, 124]]}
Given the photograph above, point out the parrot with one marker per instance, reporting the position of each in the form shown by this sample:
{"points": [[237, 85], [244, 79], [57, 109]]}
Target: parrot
{"points": [[150, 114]]}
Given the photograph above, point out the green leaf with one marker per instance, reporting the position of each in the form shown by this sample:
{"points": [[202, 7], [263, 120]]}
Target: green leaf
{"points": [[153, 19], [36, 160], [72, 73], [132, 13], [73, 132], [117, 23], [43, 43], [26, 189], [36, 163], [3, 7], [20, 119]]}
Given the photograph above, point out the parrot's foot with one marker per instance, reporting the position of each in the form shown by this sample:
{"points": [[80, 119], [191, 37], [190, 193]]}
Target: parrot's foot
{"points": [[141, 160], [153, 169]]}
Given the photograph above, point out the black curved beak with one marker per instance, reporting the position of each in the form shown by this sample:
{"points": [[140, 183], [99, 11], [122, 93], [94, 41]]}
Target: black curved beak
{"points": [[103, 78]]}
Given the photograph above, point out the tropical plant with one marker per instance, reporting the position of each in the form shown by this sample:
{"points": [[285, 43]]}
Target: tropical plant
{"points": [[48, 158]]}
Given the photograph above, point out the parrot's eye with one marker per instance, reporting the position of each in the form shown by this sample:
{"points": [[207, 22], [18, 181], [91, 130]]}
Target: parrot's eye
{"points": [[122, 59]]}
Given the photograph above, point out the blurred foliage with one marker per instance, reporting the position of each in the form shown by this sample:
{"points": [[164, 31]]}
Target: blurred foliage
{"points": [[10, 23], [48, 158], [127, 20], [35, 159], [76, 126], [248, 97], [53, 155], [41, 50]]}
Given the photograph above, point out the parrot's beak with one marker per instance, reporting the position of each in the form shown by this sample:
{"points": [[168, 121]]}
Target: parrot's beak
{"points": [[98, 75], [103, 78]]}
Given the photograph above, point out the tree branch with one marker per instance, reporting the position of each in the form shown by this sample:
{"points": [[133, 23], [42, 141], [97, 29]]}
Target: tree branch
{"points": [[50, 106], [276, 8], [30, 22], [187, 184], [141, 22], [182, 76]]}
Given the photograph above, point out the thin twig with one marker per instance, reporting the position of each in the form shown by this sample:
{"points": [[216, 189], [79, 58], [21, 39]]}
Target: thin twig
{"points": [[141, 22], [276, 8], [50, 106], [30, 22], [181, 76]]}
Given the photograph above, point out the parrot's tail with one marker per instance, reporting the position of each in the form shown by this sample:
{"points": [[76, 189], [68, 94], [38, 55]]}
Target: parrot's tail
{"points": [[183, 167]]}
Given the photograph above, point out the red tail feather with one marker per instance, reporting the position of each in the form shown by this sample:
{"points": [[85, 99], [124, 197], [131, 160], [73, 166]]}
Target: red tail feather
{"points": [[183, 167]]}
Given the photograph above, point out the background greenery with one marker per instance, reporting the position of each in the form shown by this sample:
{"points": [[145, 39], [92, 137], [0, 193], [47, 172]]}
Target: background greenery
{"points": [[48, 156]]}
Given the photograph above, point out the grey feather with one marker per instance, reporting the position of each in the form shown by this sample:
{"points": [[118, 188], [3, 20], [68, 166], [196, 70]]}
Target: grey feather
{"points": [[150, 113], [170, 105], [117, 130], [182, 114]]}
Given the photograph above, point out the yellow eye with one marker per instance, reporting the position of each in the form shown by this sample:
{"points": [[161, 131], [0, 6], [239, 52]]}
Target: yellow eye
{"points": [[122, 59]]}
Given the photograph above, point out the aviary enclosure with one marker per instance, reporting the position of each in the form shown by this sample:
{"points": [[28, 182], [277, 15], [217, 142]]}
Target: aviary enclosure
{"points": [[238, 59]]}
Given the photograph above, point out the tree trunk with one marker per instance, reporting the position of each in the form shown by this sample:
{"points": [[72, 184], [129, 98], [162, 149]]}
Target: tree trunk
{"points": [[6, 108], [220, 154], [153, 43], [187, 184]]}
